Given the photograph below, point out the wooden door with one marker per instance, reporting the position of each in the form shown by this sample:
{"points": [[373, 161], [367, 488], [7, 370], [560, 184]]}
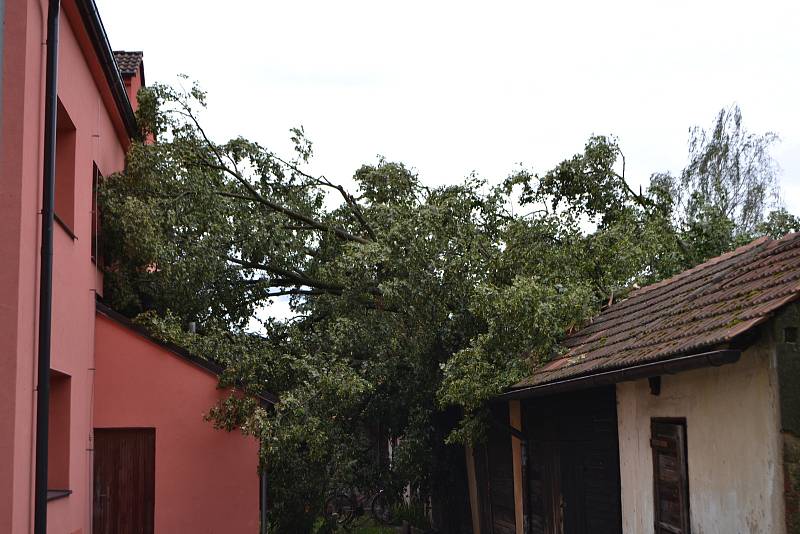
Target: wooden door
{"points": [[589, 489], [124, 480], [670, 477], [573, 463]]}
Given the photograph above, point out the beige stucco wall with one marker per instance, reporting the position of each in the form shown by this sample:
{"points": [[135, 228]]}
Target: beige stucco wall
{"points": [[734, 453]]}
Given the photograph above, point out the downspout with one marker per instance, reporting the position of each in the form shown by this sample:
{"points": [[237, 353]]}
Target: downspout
{"points": [[46, 268], [262, 508], [2, 41]]}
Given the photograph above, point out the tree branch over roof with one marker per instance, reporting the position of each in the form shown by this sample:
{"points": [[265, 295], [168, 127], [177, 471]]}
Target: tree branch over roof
{"points": [[289, 275]]}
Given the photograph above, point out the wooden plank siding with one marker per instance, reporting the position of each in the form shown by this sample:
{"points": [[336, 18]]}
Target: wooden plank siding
{"points": [[515, 420], [472, 486], [495, 478], [573, 478]]}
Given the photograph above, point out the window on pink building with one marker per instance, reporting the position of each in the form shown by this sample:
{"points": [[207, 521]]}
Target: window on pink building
{"points": [[58, 438], [65, 170]]}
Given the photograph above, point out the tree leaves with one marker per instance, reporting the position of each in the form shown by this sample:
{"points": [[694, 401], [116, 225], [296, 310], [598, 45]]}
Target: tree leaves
{"points": [[413, 305]]}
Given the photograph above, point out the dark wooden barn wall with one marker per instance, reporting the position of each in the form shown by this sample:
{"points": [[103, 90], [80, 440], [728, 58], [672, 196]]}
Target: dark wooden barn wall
{"points": [[573, 463], [495, 478]]}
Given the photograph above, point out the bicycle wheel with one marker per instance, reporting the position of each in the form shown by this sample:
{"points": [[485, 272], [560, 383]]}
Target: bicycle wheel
{"points": [[339, 509], [380, 508]]}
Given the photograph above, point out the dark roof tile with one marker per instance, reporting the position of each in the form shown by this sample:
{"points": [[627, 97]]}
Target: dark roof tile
{"points": [[697, 309], [128, 62]]}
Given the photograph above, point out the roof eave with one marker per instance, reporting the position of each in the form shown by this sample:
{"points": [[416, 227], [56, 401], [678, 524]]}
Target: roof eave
{"points": [[97, 35], [689, 362]]}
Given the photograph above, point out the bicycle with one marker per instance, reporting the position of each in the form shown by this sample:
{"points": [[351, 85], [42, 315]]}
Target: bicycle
{"points": [[345, 509]]}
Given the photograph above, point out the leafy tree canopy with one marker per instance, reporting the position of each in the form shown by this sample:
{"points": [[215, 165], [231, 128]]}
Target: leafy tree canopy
{"points": [[412, 305]]}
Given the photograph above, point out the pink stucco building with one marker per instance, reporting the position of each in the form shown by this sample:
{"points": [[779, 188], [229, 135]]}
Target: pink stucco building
{"points": [[126, 413]]}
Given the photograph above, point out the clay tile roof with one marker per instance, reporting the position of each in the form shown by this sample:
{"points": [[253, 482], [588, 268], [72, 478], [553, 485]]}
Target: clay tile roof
{"points": [[128, 62], [703, 307]]}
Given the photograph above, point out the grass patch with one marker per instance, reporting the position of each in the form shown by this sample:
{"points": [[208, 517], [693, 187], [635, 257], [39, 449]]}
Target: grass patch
{"points": [[373, 530], [360, 526]]}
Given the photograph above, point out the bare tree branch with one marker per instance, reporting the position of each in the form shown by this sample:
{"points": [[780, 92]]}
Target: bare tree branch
{"points": [[349, 199], [297, 278], [297, 291], [257, 197]]}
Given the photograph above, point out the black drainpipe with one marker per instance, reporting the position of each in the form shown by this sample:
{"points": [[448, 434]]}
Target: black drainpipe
{"points": [[262, 505], [46, 268]]}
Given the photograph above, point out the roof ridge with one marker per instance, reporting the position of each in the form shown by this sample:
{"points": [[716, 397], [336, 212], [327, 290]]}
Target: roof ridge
{"points": [[643, 291], [761, 250]]}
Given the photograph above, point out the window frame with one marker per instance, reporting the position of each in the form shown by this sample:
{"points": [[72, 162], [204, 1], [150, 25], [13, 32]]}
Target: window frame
{"points": [[59, 435], [65, 172]]}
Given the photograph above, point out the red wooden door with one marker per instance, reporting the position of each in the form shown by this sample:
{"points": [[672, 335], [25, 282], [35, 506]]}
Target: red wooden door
{"points": [[124, 480]]}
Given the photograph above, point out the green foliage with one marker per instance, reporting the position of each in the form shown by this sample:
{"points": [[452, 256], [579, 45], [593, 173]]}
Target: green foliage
{"points": [[731, 169], [722, 196], [778, 223], [526, 318], [412, 305], [413, 512]]}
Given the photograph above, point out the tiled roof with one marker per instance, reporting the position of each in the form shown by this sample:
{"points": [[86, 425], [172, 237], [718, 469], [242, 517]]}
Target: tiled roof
{"points": [[697, 309], [128, 62]]}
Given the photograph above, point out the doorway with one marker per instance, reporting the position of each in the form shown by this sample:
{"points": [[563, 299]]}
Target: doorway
{"points": [[573, 463], [124, 480]]}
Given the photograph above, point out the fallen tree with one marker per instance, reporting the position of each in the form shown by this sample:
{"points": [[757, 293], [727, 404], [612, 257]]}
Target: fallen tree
{"points": [[412, 305]]}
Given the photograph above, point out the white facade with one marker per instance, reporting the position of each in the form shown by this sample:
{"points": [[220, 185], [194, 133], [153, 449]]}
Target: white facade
{"points": [[734, 451]]}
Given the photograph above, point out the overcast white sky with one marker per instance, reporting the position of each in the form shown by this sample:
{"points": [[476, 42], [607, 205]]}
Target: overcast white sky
{"points": [[452, 87]]}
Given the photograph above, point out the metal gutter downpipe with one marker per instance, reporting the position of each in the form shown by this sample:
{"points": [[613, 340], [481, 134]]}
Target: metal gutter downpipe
{"points": [[46, 268], [2, 41], [262, 509]]}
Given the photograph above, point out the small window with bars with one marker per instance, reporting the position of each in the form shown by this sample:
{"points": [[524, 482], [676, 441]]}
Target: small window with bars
{"points": [[670, 476]]}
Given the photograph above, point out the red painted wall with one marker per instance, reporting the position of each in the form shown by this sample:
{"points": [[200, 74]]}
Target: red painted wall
{"points": [[97, 139], [132, 86], [206, 479], [18, 243]]}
